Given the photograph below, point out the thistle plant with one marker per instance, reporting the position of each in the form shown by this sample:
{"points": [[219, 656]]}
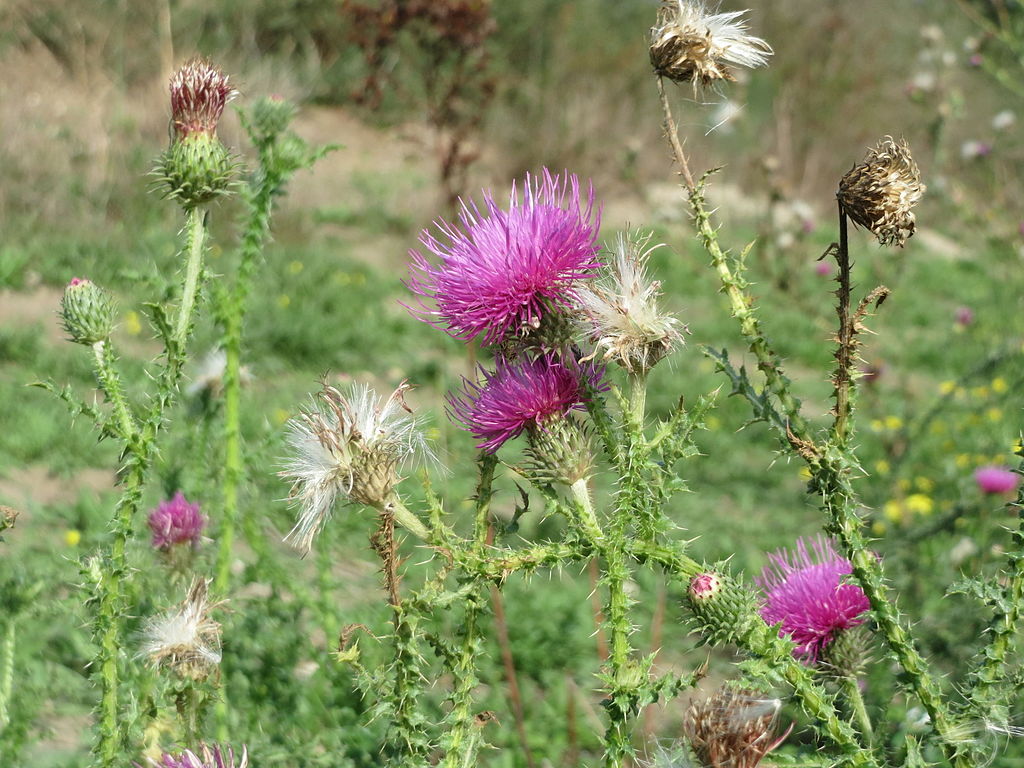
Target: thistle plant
{"points": [[530, 282], [196, 171]]}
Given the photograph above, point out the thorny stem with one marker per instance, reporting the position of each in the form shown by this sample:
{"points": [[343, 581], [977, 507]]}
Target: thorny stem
{"points": [[140, 449], [406, 518], [463, 741], [233, 319], [110, 381], [851, 690], [740, 304], [845, 351], [195, 242], [6, 670], [111, 613], [588, 520]]}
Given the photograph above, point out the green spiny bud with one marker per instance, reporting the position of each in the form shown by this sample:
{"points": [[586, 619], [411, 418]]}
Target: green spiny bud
{"points": [[559, 451], [86, 312], [196, 169], [848, 652], [269, 118], [723, 608]]}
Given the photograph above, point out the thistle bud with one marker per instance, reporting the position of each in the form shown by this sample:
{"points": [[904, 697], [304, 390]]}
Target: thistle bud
{"points": [[848, 653], [269, 118], [8, 516], [197, 167], [723, 609], [559, 451], [86, 312], [691, 45], [880, 193]]}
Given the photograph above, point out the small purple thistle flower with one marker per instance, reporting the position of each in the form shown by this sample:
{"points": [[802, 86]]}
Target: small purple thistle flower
{"points": [[521, 394], [176, 522], [502, 270], [804, 591], [215, 757], [996, 480], [964, 316]]}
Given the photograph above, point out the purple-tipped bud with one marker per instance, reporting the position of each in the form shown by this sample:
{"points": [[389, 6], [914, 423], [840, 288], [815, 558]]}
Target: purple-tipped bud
{"points": [[199, 93], [86, 312], [176, 522], [996, 480], [704, 586], [197, 167]]}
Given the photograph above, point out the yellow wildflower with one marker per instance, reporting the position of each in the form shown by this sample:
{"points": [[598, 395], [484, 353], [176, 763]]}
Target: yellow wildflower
{"points": [[132, 323], [893, 510], [284, 300], [882, 467], [72, 537], [947, 387], [294, 267], [920, 504], [924, 484], [893, 422], [999, 385]]}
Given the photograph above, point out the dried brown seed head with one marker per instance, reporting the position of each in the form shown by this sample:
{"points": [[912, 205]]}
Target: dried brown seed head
{"points": [[733, 728], [691, 45], [879, 194]]}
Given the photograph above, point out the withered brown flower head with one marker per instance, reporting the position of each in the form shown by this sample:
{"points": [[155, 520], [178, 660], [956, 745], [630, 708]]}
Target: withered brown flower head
{"points": [[880, 193], [689, 44], [199, 92], [733, 728], [185, 639]]}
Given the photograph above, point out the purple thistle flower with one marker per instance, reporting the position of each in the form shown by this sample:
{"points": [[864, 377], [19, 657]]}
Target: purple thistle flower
{"points": [[176, 522], [501, 270], [519, 395], [804, 591], [996, 479], [214, 757]]}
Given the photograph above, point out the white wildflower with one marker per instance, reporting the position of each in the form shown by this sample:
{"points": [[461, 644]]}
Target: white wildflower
{"points": [[350, 446], [621, 314], [1004, 120], [185, 638], [691, 44]]}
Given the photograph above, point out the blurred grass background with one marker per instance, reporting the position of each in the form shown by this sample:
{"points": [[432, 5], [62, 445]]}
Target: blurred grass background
{"points": [[83, 112]]}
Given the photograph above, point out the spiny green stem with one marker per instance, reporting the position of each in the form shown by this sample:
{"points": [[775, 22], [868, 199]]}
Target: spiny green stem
{"points": [[110, 381], [232, 316], [463, 740], [6, 670], [406, 518], [585, 507], [740, 304], [851, 690], [844, 524], [110, 616], [195, 242]]}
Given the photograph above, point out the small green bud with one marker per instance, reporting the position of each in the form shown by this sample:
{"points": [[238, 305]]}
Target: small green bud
{"points": [[87, 312], [559, 451], [723, 608], [196, 169], [270, 116], [848, 653]]}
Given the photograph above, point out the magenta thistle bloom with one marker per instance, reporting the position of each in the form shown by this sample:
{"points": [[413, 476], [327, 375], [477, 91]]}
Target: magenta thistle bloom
{"points": [[806, 594], [964, 316], [199, 93], [502, 270], [996, 479], [176, 522], [519, 395], [209, 757]]}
